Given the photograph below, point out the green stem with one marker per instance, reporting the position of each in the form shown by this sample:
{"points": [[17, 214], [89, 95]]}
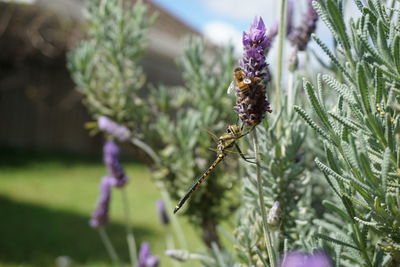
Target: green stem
{"points": [[129, 232], [147, 149], [267, 234], [164, 193], [291, 94], [109, 247], [281, 36]]}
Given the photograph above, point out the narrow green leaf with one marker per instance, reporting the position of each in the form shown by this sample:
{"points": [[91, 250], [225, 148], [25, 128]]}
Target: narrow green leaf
{"points": [[320, 88], [331, 228], [359, 4], [366, 167], [334, 207], [338, 23], [320, 8], [389, 131], [359, 202], [335, 241], [332, 159], [375, 56], [332, 57], [331, 172], [340, 88], [367, 11], [365, 222], [347, 122], [379, 85], [349, 206], [396, 52], [362, 85], [382, 45], [387, 72], [310, 122], [316, 105], [385, 168]]}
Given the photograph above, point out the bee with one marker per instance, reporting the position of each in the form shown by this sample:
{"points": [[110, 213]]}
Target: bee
{"points": [[242, 81], [228, 140]]}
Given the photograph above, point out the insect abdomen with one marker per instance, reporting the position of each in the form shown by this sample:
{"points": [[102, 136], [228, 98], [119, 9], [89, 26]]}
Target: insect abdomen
{"points": [[198, 182]]}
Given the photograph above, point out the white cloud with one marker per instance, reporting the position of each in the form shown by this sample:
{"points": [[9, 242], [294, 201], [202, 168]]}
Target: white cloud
{"points": [[245, 10], [221, 33]]}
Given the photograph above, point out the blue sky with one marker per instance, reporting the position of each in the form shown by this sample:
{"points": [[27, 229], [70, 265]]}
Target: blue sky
{"points": [[223, 21], [198, 14]]}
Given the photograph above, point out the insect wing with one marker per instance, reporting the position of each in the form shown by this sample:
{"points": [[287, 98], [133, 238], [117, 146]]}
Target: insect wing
{"points": [[231, 88], [247, 80]]}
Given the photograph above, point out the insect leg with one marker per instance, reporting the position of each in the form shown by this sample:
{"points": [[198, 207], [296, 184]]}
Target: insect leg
{"points": [[249, 131], [198, 182], [242, 155]]}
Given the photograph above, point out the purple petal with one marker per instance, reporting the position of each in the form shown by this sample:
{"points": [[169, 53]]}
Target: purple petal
{"points": [[145, 257], [111, 160], [100, 214], [152, 261], [114, 129], [300, 259], [144, 253], [162, 213]]}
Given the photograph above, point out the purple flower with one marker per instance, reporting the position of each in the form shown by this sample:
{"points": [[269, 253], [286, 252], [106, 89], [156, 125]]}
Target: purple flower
{"points": [[100, 214], [300, 36], [252, 105], [255, 44], [162, 213], [301, 259], [111, 160], [114, 129], [145, 257]]}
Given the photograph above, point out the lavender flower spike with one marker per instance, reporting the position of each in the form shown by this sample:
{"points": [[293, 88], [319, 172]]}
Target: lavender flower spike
{"points": [[300, 259], [255, 43], [145, 257], [112, 128], [162, 213], [100, 214], [300, 36], [111, 160], [251, 106]]}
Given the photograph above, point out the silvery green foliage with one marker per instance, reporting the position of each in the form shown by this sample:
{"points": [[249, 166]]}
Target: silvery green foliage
{"points": [[184, 115], [286, 180], [360, 133], [170, 122], [105, 65]]}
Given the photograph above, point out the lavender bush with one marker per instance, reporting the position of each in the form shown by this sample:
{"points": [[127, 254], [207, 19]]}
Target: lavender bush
{"points": [[284, 212], [360, 134]]}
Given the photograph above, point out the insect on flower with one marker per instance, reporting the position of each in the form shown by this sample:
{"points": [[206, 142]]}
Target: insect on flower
{"points": [[228, 140], [242, 82]]}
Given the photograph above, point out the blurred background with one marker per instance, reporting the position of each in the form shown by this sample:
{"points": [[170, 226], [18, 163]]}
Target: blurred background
{"points": [[50, 166]]}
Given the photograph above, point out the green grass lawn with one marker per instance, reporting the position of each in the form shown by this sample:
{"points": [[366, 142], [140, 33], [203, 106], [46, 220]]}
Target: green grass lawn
{"points": [[46, 202]]}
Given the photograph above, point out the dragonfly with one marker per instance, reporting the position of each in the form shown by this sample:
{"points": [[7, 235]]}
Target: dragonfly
{"points": [[224, 142]]}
